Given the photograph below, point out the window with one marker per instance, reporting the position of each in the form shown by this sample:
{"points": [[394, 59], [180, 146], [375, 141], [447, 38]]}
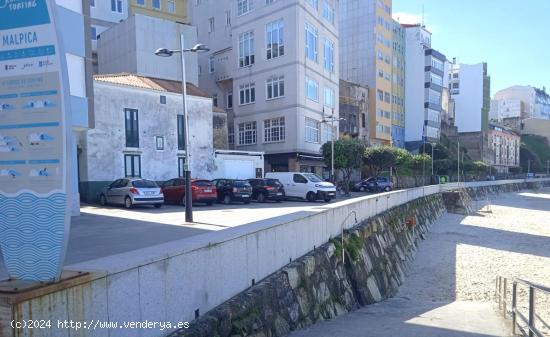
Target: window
{"points": [[328, 132], [274, 39], [274, 130], [244, 6], [228, 18], [92, 3], [433, 115], [230, 100], [247, 133], [298, 178], [230, 135], [455, 85], [434, 97], [211, 63], [275, 87], [247, 93], [132, 165], [171, 6], [211, 25], [380, 95], [246, 49], [93, 32], [140, 2], [329, 55], [312, 89], [311, 42], [436, 79], [156, 4], [329, 98], [181, 166], [162, 99], [116, 6], [363, 120], [437, 64], [387, 98], [181, 132], [313, 3], [159, 143], [269, 2], [132, 127], [215, 100], [312, 131], [328, 12]]}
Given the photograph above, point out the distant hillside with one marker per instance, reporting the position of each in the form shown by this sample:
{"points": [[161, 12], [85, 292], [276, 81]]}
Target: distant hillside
{"points": [[537, 150]]}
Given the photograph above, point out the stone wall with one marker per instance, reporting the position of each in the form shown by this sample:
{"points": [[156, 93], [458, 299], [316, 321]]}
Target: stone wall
{"points": [[318, 286]]}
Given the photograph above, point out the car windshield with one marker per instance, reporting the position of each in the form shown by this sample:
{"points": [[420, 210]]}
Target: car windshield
{"points": [[202, 183], [241, 183], [273, 182], [313, 177], [144, 183]]}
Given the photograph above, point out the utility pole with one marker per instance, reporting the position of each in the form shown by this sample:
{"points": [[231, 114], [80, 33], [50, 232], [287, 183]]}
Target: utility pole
{"points": [[528, 167], [458, 160]]}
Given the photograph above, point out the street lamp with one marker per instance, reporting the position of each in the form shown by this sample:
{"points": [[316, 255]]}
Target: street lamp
{"points": [[331, 120], [164, 52]]}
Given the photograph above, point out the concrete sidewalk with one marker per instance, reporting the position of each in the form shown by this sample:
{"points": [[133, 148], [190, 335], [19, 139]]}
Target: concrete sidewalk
{"points": [[409, 318]]}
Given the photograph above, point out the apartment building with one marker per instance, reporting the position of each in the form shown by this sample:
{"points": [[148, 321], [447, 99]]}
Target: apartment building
{"points": [[274, 66], [398, 85], [425, 69], [366, 56], [504, 147], [537, 101], [470, 88], [354, 109], [171, 10]]}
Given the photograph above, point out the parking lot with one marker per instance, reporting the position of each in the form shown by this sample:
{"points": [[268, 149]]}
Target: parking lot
{"points": [[107, 230]]}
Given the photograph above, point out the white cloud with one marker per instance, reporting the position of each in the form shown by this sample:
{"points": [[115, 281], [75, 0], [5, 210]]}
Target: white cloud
{"points": [[407, 18]]}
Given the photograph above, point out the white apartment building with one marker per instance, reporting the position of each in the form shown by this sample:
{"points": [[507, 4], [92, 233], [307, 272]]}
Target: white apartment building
{"points": [[274, 66], [366, 53], [129, 47], [537, 101], [507, 108], [425, 80], [470, 87]]}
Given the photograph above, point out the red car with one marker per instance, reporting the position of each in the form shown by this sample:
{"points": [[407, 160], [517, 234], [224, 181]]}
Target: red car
{"points": [[202, 191]]}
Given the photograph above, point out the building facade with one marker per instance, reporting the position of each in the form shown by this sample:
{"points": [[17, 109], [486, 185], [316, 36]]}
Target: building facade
{"points": [[470, 87], [140, 132], [398, 85], [274, 66], [366, 52], [354, 109], [171, 10], [537, 101], [425, 69], [130, 47], [504, 147]]}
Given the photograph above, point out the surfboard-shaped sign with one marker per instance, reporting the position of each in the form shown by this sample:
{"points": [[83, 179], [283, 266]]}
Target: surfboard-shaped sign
{"points": [[34, 172]]}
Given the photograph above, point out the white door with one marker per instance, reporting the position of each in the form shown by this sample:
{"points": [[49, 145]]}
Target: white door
{"points": [[239, 169]]}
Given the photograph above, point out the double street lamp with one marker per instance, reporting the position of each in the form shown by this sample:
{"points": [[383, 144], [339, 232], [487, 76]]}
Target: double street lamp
{"points": [[164, 52]]}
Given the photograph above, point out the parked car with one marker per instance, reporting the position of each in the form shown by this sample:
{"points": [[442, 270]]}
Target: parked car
{"points": [[230, 190], [304, 185], [132, 191], [374, 184], [267, 189], [202, 191]]}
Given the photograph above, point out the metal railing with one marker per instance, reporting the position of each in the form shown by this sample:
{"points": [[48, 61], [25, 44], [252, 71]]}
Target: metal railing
{"points": [[526, 325]]}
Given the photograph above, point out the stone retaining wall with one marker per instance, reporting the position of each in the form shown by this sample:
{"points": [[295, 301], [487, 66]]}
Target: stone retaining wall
{"points": [[318, 286]]}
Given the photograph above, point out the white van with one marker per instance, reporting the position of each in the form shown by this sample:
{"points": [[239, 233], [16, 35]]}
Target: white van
{"points": [[304, 185]]}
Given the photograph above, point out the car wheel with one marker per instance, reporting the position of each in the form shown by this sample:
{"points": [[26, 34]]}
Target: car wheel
{"points": [[102, 200], [362, 189], [158, 205], [261, 197], [387, 189], [327, 200], [227, 199], [310, 196], [128, 202]]}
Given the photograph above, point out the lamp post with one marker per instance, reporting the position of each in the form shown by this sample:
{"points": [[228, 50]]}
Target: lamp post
{"points": [[164, 52], [331, 120]]}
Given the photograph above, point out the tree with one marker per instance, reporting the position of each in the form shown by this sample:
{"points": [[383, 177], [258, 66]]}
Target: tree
{"points": [[348, 154], [378, 159]]}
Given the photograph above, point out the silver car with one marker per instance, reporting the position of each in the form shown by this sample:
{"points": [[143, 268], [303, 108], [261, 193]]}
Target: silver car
{"points": [[132, 191]]}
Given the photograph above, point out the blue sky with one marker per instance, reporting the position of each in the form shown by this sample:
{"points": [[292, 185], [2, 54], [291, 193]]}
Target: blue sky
{"points": [[512, 36]]}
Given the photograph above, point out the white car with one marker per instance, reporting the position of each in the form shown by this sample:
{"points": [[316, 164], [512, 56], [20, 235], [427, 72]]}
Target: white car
{"points": [[304, 185]]}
